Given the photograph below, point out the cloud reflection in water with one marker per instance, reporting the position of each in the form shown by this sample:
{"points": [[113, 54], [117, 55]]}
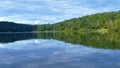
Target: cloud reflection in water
{"points": [[36, 53]]}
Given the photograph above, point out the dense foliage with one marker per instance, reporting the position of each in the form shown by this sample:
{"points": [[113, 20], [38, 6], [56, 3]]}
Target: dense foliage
{"points": [[106, 20], [14, 27]]}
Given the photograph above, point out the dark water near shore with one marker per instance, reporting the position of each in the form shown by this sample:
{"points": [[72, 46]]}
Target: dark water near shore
{"points": [[59, 50]]}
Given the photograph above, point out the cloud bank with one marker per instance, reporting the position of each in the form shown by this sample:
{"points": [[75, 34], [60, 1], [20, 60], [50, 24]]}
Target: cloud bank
{"points": [[52, 11]]}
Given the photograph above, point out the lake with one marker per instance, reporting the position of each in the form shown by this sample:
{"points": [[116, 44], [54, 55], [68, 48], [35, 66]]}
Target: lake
{"points": [[59, 50]]}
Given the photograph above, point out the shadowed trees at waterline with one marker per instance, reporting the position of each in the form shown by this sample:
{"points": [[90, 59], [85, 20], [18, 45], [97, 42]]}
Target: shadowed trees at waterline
{"points": [[6, 26]]}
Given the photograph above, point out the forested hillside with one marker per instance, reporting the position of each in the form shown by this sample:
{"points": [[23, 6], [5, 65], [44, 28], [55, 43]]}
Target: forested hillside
{"points": [[100, 21], [14, 27], [106, 20]]}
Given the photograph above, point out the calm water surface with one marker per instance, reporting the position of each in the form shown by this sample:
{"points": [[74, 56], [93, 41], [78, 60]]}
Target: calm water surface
{"points": [[52, 50]]}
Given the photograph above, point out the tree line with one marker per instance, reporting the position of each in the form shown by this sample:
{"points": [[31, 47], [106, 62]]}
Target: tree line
{"points": [[6, 26], [106, 20]]}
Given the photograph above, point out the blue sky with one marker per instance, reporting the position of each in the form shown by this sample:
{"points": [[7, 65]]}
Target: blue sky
{"points": [[52, 11]]}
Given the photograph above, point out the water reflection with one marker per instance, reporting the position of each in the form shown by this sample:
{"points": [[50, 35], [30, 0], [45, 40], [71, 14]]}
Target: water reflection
{"points": [[96, 40], [47, 54], [12, 37], [44, 50]]}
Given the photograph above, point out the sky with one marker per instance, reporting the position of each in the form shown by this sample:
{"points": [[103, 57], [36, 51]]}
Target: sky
{"points": [[52, 11]]}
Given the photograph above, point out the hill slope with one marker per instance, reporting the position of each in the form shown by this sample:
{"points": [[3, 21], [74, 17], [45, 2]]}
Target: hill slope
{"points": [[100, 21], [106, 20], [14, 27]]}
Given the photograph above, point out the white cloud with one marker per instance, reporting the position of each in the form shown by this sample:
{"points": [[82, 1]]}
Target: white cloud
{"points": [[51, 11], [33, 19]]}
